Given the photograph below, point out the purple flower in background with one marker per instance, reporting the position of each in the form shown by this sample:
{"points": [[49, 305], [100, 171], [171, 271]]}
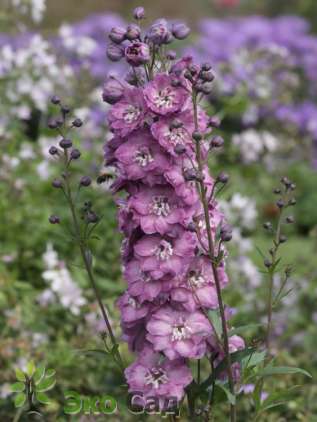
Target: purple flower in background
{"points": [[179, 333], [161, 97]]}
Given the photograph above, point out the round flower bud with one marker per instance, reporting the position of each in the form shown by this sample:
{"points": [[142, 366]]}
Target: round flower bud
{"points": [[226, 233], [223, 178], [292, 201], [217, 141], [75, 154], [207, 76], [85, 181], [290, 219], [206, 88], [137, 54], [77, 123], [214, 121], [267, 225], [190, 175], [115, 52], [171, 55], [57, 184], [54, 219], [52, 124], [191, 227], [197, 136], [206, 66], [55, 100], [139, 13], [180, 30], [179, 149], [91, 217], [282, 238], [112, 91], [133, 32], [280, 203], [277, 191], [158, 32], [267, 263], [65, 109], [117, 34], [53, 150], [65, 143], [292, 186]]}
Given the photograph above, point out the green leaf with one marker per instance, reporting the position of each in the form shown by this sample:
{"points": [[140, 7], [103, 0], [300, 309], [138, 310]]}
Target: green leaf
{"points": [[50, 373], [282, 370], [243, 328], [231, 398], [216, 321], [17, 387], [20, 374], [253, 360], [30, 368], [42, 398], [46, 384], [39, 374], [19, 400]]}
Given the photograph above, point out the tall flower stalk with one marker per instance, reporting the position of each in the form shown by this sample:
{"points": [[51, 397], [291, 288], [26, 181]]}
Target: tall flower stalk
{"points": [[174, 234]]}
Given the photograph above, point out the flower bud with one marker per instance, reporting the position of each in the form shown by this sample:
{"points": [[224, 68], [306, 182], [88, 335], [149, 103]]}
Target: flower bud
{"points": [[55, 100], [52, 124], [190, 175], [207, 76], [214, 121], [277, 191], [217, 141], [85, 181], [139, 13], [267, 263], [65, 109], [75, 154], [206, 66], [290, 219], [112, 91], [292, 201], [77, 123], [223, 178], [57, 184], [115, 52], [53, 150], [206, 88], [179, 149], [280, 203], [133, 32], [92, 217], [65, 143], [159, 32], [117, 34], [197, 136], [54, 219], [180, 30], [176, 124], [191, 227], [137, 54], [267, 225], [282, 239], [171, 55], [226, 233]]}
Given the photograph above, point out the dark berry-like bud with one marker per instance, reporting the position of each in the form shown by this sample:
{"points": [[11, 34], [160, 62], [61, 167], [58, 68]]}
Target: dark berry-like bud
{"points": [[290, 219], [77, 123], [55, 100], [226, 233], [285, 180], [53, 150], [65, 143], [217, 141], [85, 181], [190, 175], [191, 227], [267, 263], [214, 121], [188, 75], [75, 154], [223, 178], [206, 66], [280, 203], [59, 121], [117, 34], [277, 191], [268, 225], [139, 13], [292, 201], [207, 76], [197, 136], [54, 219], [57, 184], [282, 238], [65, 109], [92, 217], [292, 186], [179, 149], [53, 124]]}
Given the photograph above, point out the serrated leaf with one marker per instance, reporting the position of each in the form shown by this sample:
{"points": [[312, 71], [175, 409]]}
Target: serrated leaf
{"points": [[282, 370], [46, 384], [50, 373], [243, 328], [42, 398], [39, 374], [30, 368], [20, 374], [19, 400], [231, 398], [17, 387]]}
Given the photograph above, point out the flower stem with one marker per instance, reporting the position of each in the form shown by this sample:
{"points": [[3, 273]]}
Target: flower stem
{"points": [[211, 253]]}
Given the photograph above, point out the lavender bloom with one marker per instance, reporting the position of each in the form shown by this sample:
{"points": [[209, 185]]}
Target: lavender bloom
{"points": [[159, 32], [137, 54]]}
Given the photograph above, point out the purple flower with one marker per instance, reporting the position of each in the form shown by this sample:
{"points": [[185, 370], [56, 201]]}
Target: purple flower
{"points": [[117, 34], [180, 31], [137, 53], [131, 309], [159, 32], [153, 376], [165, 255], [113, 90], [128, 114], [157, 210], [161, 97], [115, 52], [178, 333], [141, 158], [139, 13]]}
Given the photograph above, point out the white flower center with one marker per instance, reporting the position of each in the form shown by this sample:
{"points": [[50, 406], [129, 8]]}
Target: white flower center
{"points": [[132, 302], [156, 377], [176, 136], [164, 98], [164, 250], [143, 157], [160, 206], [131, 114], [196, 279], [181, 331]]}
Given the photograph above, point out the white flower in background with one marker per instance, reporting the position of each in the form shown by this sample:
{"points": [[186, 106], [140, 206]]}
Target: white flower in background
{"points": [[245, 268], [253, 144], [34, 8], [81, 45], [240, 210], [61, 283], [5, 390]]}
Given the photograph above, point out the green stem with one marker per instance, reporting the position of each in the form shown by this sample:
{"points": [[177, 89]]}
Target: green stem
{"points": [[211, 252]]}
